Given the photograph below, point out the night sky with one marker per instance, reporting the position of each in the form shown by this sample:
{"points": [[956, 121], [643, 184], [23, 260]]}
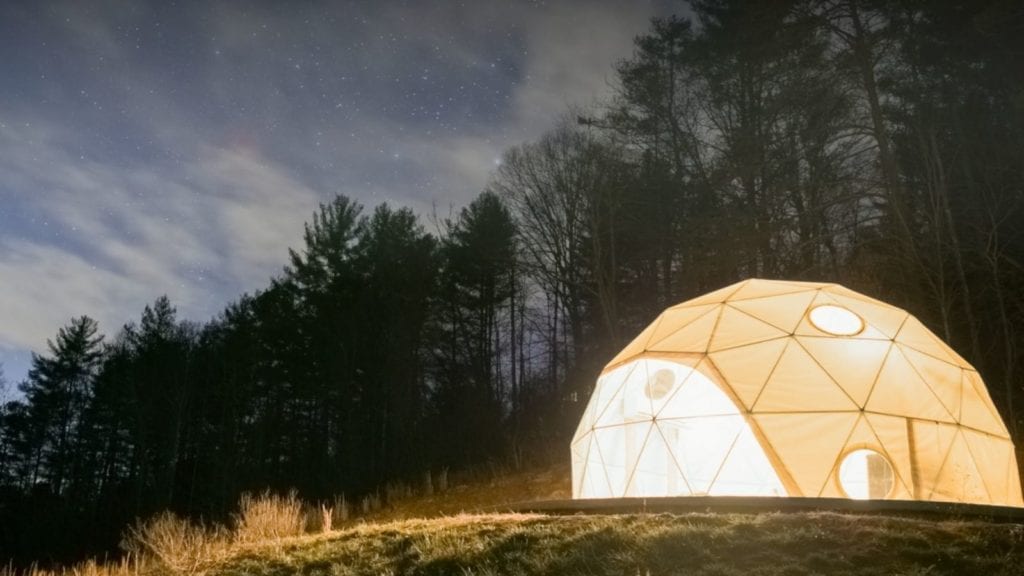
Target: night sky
{"points": [[152, 148]]}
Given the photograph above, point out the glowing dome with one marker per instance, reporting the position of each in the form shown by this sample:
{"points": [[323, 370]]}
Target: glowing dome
{"points": [[777, 388]]}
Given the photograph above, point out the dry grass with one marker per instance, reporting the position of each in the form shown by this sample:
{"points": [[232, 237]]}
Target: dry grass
{"points": [[481, 490], [171, 544], [268, 517], [267, 539], [128, 566], [168, 544], [698, 544]]}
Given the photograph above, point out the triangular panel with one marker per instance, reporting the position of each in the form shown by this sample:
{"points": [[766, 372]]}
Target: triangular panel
{"points": [[747, 470], [807, 462], [853, 364], [959, 479], [976, 408], [656, 472], [766, 288], [992, 457], [900, 391], [784, 312], [799, 384], [620, 448], [737, 328], [693, 337], [672, 321], [942, 377], [595, 478], [696, 396], [920, 338], [700, 445], [607, 392], [615, 407], [746, 369], [608, 387]]}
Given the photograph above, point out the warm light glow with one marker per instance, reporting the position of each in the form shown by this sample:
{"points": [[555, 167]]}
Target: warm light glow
{"points": [[836, 320], [865, 474], [783, 388], [668, 430]]}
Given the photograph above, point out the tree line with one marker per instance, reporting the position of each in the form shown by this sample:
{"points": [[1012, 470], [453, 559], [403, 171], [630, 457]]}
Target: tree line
{"points": [[878, 144]]}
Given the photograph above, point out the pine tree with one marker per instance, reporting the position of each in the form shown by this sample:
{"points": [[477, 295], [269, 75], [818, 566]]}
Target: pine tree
{"points": [[56, 392], [474, 344]]}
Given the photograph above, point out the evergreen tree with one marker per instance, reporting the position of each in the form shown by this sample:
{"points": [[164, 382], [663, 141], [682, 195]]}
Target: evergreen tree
{"points": [[396, 262], [160, 352], [474, 348], [56, 393]]}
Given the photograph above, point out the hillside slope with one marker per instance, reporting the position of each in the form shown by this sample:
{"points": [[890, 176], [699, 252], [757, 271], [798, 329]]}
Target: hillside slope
{"points": [[692, 544], [432, 533]]}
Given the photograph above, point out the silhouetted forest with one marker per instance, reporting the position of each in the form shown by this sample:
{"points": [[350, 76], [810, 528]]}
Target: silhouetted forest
{"points": [[876, 144]]}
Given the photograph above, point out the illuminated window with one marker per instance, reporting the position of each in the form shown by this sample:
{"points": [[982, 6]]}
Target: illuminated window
{"points": [[836, 320], [865, 475]]}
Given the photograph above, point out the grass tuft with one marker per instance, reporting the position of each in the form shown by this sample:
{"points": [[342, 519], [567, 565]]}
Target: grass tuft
{"points": [[171, 544], [269, 517]]}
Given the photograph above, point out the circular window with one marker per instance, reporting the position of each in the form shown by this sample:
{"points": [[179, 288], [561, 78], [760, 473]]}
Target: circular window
{"points": [[659, 384], [866, 475], [836, 320]]}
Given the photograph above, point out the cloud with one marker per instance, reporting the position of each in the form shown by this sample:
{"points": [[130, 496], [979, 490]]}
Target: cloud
{"points": [[148, 149], [572, 51], [258, 209], [44, 287], [214, 227]]}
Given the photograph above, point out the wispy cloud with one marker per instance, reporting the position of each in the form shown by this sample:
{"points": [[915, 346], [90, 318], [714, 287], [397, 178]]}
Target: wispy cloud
{"points": [[214, 226], [148, 149]]}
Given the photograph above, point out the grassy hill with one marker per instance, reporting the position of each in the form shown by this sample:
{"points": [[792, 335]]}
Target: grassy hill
{"points": [[427, 535], [692, 544]]}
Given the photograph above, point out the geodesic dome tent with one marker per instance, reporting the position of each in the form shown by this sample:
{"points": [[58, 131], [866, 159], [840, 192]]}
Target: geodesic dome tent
{"points": [[771, 388]]}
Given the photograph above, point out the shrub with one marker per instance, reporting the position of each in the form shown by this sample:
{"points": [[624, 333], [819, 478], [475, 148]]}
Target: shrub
{"points": [[175, 543], [268, 516]]}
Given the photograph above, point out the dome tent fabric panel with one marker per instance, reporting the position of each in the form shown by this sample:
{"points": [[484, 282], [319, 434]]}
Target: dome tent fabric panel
{"points": [[854, 366], [680, 434], [784, 311], [747, 368], [781, 388]]}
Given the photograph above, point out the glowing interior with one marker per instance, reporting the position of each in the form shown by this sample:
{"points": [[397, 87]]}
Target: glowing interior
{"points": [[817, 373], [836, 320], [865, 474], [665, 429]]}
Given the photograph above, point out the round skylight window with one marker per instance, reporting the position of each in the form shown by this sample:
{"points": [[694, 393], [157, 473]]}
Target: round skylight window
{"points": [[836, 320], [865, 474]]}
